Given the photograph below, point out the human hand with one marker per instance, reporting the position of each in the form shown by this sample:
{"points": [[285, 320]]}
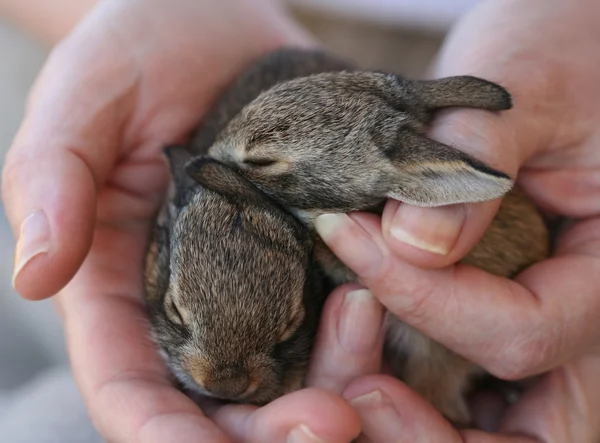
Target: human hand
{"points": [[83, 180], [560, 407], [545, 54]]}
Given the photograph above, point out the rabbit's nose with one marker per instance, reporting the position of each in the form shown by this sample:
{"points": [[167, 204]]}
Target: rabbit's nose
{"points": [[230, 382]]}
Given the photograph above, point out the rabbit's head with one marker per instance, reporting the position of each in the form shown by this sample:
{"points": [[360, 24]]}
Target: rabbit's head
{"points": [[344, 141], [233, 293]]}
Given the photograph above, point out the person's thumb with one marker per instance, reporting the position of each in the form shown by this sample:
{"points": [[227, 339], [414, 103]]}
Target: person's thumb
{"points": [[480, 45], [61, 155], [435, 237]]}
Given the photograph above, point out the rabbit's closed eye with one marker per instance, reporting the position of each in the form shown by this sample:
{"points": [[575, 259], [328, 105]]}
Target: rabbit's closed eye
{"points": [[174, 313], [259, 162], [293, 325]]}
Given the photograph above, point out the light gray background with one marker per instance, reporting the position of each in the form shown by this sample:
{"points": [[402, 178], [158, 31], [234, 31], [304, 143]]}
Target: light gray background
{"points": [[30, 334]]}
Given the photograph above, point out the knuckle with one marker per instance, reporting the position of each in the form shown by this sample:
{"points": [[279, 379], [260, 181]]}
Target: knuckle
{"points": [[11, 170], [525, 355], [421, 302], [417, 305]]}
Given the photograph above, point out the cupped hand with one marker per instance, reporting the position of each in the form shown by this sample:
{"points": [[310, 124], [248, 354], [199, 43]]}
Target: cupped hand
{"points": [[83, 180], [545, 54]]}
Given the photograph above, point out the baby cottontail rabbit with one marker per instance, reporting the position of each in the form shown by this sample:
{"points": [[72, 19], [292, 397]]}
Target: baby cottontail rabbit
{"points": [[233, 290], [236, 284]]}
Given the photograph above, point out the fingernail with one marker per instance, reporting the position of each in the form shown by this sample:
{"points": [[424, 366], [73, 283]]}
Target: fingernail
{"points": [[378, 412], [371, 398], [302, 434], [354, 246], [327, 224], [34, 239], [360, 321], [431, 229]]}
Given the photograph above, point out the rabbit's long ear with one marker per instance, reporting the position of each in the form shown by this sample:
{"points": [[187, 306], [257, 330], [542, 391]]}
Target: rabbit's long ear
{"points": [[178, 156], [433, 174], [220, 178]]}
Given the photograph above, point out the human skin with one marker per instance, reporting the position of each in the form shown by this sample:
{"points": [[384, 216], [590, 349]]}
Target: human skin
{"points": [[120, 86], [48, 21]]}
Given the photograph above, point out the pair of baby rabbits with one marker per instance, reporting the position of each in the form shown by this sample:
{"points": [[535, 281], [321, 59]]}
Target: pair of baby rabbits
{"points": [[236, 276]]}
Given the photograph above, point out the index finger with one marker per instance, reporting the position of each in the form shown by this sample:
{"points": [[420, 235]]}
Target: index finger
{"points": [[62, 155], [512, 328], [350, 339]]}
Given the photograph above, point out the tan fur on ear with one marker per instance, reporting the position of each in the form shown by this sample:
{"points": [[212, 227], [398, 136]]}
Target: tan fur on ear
{"points": [[429, 173], [448, 182]]}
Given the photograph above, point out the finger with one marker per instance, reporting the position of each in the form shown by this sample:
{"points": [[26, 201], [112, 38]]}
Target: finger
{"points": [[435, 237], [124, 382], [390, 411], [511, 328], [307, 416], [350, 339], [562, 407], [61, 155]]}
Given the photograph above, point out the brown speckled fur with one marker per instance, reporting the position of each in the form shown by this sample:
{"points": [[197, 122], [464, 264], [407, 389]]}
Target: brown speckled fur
{"points": [[246, 275]]}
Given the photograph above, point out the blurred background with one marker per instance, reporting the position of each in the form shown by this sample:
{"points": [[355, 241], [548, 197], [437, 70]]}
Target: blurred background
{"points": [[397, 35]]}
